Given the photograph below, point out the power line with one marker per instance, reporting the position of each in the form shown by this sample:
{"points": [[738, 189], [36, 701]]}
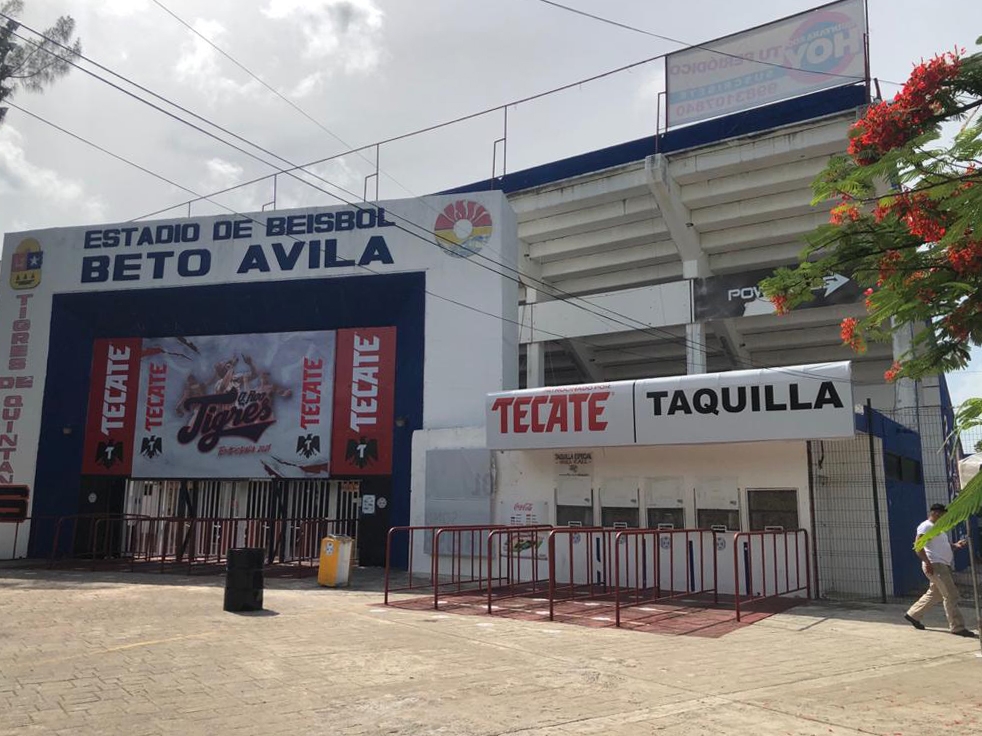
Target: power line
{"points": [[519, 323], [275, 91], [234, 212], [579, 303], [703, 47]]}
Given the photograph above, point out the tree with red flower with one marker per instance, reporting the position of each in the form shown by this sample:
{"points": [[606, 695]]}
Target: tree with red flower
{"points": [[906, 224]]}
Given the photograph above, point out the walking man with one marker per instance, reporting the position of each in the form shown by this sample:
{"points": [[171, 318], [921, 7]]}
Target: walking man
{"points": [[936, 559]]}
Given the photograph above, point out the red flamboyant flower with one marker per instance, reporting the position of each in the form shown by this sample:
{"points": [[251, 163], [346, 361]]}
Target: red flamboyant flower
{"points": [[892, 371], [888, 265], [841, 213], [850, 336], [888, 125], [869, 304], [780, 302], [966, 258]]}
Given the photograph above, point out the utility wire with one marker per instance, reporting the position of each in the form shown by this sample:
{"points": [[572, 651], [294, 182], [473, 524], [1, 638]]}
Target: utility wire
{"points": [[232, 211], [579, 303], [519, 323], [276, 92], [703, 47]]}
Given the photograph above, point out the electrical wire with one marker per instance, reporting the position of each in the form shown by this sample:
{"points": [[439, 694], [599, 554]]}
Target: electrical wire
{"points": [[704, 47], [580, 303], [232, 211], [639, 326]]}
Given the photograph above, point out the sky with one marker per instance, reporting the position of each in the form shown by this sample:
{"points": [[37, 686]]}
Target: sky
{"points": [[368, 70]]}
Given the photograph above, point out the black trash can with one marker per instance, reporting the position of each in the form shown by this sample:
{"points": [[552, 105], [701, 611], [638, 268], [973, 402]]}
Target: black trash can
{"points": [[244, 579]]}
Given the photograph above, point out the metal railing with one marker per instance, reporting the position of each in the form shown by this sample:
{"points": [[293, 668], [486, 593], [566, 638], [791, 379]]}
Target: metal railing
{"points": [[756, 566]]}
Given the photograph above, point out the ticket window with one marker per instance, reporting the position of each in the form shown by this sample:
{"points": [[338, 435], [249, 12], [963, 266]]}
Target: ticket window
{"points": [[719, 520], [574, 501], [666, 518], [663, 498], [718, 504], [619, 506], [772, 509]]}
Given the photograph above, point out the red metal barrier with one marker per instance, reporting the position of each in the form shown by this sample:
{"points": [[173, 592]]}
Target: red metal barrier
{"points": [[410, 532], [512, 550], [89, 522], [21, 529], [475, 545], [195, 542], [641, 546], [777, 542], [597, 568]]}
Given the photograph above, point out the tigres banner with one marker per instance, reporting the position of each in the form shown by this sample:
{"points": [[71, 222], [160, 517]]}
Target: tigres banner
{"points": [[242, 406]]}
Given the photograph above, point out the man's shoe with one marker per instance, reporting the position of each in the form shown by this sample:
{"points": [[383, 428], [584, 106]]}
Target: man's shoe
{"points": [[914, 622], [966, 633]]}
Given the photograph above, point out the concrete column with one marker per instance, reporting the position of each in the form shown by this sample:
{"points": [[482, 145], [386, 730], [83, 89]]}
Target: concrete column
{"points": [[535, 352], [695, 347], [905, 390]]}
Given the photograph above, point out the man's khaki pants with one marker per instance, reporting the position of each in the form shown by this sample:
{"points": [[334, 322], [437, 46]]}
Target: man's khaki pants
{"points": [[942, 588]]}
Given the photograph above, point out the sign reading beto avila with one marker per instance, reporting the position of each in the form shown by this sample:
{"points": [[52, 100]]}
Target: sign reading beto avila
{"points": [[798, 402]]}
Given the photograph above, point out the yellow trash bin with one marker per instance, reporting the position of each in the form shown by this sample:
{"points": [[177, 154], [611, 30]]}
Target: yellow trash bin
{"points": [[335, 561]]}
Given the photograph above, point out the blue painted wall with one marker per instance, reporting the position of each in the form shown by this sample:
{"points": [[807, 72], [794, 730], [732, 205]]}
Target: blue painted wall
{"points": [[788, 112], [280, 306], [906, 503]]}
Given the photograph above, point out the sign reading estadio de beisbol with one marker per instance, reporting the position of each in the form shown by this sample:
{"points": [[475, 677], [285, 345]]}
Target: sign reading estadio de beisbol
{"points": [[788, 403], [300, 404]]}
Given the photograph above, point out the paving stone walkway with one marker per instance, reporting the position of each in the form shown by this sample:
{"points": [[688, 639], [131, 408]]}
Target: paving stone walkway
{"points": [[123, 653]]}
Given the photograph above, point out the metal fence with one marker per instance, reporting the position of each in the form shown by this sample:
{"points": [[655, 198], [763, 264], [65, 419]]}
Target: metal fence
{"points": [[869, 494]]}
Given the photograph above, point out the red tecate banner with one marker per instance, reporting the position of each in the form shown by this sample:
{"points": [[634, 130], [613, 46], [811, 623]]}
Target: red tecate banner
{"points": [[113, 395], [364, 391]]}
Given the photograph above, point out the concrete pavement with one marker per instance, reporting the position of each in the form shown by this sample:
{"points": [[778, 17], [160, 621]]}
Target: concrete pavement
{"points": [[123, 653]]}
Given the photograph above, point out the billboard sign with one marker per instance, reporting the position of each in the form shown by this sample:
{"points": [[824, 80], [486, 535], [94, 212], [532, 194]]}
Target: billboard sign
{"points": [[740, 295], [242, 406], [804, 53], [793, 403]]}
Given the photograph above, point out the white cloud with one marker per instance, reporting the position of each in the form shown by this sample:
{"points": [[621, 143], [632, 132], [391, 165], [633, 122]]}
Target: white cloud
{"points": [[18, 176], [199, 64], [307, 85], [345, 33], [119, 8], [221, 174]]}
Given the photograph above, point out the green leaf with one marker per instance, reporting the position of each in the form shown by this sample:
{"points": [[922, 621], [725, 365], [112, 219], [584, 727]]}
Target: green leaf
{"points": [[967, 504]]}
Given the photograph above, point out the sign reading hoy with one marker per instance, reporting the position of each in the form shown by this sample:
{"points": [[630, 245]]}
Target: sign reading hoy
{"points": [[794, 403]]}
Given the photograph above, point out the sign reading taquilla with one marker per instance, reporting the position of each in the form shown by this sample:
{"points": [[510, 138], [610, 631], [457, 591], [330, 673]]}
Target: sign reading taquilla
{"points": [[793, 403]]}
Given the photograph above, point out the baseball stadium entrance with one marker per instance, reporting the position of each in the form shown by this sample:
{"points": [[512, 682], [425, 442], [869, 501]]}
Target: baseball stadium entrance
{"points": [[174, 389]]}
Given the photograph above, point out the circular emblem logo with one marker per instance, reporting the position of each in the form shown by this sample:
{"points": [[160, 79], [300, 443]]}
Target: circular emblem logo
{"points": [[665, 542], [720, 543], [463, 228], [826, 43]]}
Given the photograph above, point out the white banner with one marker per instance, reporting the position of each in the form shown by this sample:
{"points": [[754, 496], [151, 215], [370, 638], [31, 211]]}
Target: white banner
{"points": [[812, 51], [793, 403]]}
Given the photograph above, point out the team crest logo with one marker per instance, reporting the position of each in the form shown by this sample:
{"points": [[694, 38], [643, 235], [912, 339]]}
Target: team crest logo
{"points": [[361, 451], [463, 228], [109, 453], [151, 447], [25, 266], [308, 446]]}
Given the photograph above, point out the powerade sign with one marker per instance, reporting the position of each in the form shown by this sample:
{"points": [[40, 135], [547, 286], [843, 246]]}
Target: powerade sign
{"points": [[804, 53], [794, 403]]}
